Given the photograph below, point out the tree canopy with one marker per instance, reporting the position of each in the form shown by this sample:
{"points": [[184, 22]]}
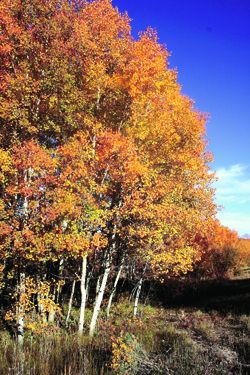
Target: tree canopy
{"points": [[102, 156]]}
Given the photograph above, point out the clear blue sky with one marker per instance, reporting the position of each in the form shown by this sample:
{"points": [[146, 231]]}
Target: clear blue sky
{"points": [[209, 42]]}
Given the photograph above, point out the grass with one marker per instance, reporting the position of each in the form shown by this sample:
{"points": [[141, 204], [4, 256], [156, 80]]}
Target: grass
{"points": [[203, 336], [46, 355], [161, 341]]}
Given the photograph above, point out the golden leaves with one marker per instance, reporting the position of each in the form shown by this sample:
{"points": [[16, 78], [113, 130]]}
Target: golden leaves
{"points": [[5, 165], [102, 137]]}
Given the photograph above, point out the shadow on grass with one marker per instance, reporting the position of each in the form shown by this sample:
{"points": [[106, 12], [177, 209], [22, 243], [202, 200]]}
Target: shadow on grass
{"points": [[225, 296]]}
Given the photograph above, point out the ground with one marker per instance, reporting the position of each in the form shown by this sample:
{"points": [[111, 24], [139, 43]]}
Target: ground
{"points": [[204, 330]]}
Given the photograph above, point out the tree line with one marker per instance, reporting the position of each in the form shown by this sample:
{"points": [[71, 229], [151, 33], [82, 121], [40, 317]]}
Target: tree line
{"points": [[104, 168]]}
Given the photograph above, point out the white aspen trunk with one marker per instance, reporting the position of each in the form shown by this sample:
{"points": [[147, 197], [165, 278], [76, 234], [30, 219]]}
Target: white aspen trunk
{"points": [[41, 311], [87, 288], [51, 317], [20, 330], [40, 298], [137, 297], [83, 295], [98, 98], [70, 302], [114, 287], [99, 296], [98, 283], [21, 312], [44, 316], [59, 287], [21, 308]]}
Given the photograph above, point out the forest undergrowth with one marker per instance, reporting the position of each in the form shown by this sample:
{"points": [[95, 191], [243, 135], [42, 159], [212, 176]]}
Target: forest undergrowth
{"points": [[176, 341]]}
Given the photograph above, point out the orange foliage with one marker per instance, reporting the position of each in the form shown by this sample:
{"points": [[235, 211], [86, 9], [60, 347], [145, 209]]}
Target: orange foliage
{"points": [[219, 251], [99, 148], [244, 252]]}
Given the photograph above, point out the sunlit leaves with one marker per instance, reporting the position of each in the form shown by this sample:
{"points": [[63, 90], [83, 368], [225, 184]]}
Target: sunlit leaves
{"points": [[100, 151]]}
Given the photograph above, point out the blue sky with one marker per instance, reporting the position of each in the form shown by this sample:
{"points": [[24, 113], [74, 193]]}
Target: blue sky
{"points": [[209, 42]]}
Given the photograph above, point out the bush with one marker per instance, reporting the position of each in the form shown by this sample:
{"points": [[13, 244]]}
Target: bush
{"points": [[127, 354]]}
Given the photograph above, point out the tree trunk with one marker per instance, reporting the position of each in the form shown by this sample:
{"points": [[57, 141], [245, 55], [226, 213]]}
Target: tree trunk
{"points": [[107, 268], [98, 283], [41, 309], [100, 294], [21, 308], [138, 292], [87, 287], [51, 316], [83, 294], [70, 302], [40, 298], [59, 287], [114, 287], [21, 312]]}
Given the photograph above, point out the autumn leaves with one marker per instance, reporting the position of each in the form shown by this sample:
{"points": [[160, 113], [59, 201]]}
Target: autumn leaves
{"points": [[102, 158]]}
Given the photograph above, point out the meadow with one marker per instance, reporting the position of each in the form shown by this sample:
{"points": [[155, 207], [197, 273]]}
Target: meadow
{"points": [[203, 330]]}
